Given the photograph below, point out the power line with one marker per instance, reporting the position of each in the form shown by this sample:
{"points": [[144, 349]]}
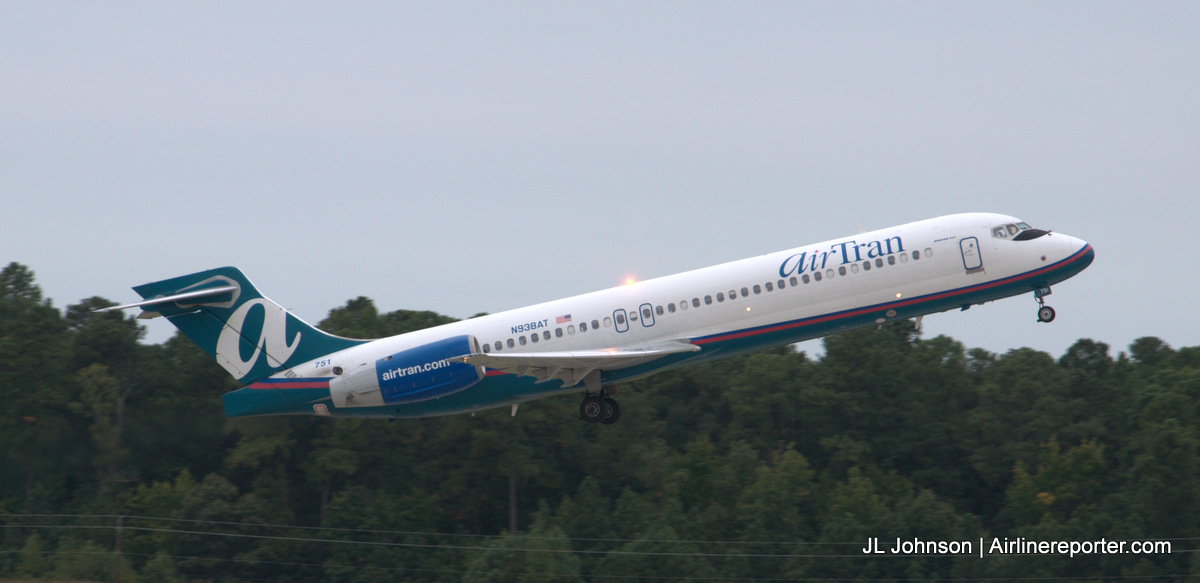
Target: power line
{"points": [[485, 548], [426, 533]]}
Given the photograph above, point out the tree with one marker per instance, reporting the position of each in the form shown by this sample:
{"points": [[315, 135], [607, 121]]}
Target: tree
{"points": [[360, 319], [36, 388], [543, 554], [1150, 351], [104, 404]]}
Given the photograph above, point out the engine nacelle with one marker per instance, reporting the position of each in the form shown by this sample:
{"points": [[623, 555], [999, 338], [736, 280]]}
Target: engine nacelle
{"points": [[413, 375]]}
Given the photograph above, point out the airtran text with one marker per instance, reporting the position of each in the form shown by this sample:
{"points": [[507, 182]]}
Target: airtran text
{"points": [[839, 254]]}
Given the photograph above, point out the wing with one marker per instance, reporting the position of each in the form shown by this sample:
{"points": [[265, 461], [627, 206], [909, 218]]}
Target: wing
{"points": [[572, 367]]}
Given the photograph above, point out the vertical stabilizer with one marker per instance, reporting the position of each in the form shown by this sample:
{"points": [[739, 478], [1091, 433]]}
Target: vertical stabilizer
{"points": [[249, 335]]}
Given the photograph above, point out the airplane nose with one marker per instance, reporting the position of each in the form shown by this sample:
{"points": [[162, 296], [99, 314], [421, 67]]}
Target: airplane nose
{"points": [[1079, 251]]}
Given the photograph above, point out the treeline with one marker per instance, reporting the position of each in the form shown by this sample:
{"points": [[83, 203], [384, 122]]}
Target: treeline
{"points": [[116, 463]]}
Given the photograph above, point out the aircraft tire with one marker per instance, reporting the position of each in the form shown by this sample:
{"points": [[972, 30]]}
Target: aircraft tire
{"points": [[613, 411], [593, 409], [1045, 314]]}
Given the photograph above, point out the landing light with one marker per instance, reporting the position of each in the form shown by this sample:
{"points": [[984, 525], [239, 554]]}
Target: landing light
{"points": [[899, 294], [630, 281]]}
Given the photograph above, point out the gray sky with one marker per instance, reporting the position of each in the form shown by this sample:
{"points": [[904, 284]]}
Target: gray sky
{"points": [[468, 157]]}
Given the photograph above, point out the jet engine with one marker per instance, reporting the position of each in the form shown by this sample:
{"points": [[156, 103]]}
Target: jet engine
{"points": [[412, 375]]}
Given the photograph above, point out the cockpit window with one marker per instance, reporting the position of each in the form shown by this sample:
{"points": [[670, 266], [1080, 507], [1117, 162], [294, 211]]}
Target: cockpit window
{"points": [[1017, 232], [1030, 233]]}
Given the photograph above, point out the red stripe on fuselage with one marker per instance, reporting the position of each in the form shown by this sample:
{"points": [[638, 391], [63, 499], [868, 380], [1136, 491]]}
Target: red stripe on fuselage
{"points": [[289, 384]]}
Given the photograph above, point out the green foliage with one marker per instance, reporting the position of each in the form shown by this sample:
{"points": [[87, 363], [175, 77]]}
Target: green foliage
{"points": [[766, 466], [542, 555]]}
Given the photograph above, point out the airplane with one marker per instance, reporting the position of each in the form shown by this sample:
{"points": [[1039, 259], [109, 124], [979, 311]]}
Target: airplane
{"points": [[589, 343]]}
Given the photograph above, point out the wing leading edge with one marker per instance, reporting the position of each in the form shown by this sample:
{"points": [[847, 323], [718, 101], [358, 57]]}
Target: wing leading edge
{"points": [[573, 367]]}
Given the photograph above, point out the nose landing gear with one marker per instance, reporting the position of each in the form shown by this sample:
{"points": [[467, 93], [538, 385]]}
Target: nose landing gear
{"points": [[1045, 313]]}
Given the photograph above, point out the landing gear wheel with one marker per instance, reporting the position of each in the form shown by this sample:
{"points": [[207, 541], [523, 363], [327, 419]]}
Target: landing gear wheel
{"points": [[1045, 314], [613, 410], [593, 409]]}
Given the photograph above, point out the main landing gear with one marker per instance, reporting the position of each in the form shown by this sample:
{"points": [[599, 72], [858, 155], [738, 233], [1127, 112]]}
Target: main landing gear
{"points": [[1045, 313], [600, 408]]}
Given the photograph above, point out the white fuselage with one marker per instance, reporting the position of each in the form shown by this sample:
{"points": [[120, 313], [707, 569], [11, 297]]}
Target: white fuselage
{"points": [[890, 274]]}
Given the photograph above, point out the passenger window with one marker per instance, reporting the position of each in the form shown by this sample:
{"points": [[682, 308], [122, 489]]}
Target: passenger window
{"points": [[733, 294], [842, 270], [828, 274], [891, 259], [658, 310], [583, 326], [558, 333], [671, 308], [499, 346], [620, 318], [683, 305], [853, 268], [633, 316], [757, 289], [769, 286], [695, 302], [521, 340], [487, 348], [510, 342], [571, 329], [866, 266], [817, 275], [928, 253], [708, 300], [793, 280], [546, 334], [745, 292], [904, 258], [916, 254], [878, 262], [646, 315], [781, 284], [720, 296], [534, 337], [804, 278]]}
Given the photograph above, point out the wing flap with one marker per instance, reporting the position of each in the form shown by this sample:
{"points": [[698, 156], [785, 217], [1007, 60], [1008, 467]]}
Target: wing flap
{"points": [[571, 367]]}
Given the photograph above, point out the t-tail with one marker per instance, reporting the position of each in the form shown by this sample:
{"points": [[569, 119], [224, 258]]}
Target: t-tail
{"points": [[249, 335]]}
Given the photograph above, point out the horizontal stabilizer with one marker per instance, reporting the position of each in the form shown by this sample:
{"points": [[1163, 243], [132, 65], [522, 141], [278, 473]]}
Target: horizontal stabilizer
{"points": [[189, 296], [571, 367]]}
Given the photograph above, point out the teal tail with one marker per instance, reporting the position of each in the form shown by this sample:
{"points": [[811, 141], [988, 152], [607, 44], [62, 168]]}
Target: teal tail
{"points": [[250, 336]]}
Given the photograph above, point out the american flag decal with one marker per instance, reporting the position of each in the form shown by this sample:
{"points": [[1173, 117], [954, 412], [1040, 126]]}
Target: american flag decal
{"points": [[562, 319]]}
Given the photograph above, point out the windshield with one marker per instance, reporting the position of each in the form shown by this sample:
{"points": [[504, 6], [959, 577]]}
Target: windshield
{"points": [[1017, 232]]}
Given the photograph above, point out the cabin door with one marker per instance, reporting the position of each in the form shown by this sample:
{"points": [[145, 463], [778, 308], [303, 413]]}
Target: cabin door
{"points": [[972, 261]]}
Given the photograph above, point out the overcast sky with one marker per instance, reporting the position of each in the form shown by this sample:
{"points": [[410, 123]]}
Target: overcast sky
{"points": [[476, 157]]}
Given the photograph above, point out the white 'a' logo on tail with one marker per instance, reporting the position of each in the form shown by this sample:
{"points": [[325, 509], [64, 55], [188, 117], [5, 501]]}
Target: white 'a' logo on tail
{"points": [[272, 339]]}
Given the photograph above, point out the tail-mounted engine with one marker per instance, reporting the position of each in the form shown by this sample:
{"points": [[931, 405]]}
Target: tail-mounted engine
{"points": [[416, 374]]}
